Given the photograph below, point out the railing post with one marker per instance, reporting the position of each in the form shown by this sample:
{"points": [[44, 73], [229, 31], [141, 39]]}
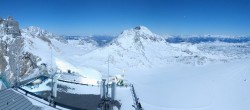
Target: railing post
{"points": [[137, 104], [113, 90]]}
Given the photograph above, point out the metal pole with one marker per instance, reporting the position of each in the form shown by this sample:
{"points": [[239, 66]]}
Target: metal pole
{"points": [[103, 89], [113, 90], [108, 79], [17, 70], [51, 57]]}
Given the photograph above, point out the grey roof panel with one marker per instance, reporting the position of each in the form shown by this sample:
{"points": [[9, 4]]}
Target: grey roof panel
{"points": [[35, 108], [11, 100], [6, 94], [19, 105], [23, 107]]}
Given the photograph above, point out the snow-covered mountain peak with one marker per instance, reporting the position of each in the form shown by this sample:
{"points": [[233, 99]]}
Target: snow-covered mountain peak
{"points": [[143, 29], [33, 29], [137, 35], [133, 47], [139, 31], [36, 31]]}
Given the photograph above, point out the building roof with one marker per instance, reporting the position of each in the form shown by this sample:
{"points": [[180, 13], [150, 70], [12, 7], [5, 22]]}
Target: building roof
{"points": [[12, 100], [77, 101]]}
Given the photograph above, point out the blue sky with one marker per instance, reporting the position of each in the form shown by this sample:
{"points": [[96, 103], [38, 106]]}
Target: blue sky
{"points": [[110, 17]]}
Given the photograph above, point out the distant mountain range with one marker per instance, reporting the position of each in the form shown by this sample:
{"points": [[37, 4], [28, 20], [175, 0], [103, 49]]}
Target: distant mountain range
{"points": [[204, 39], [103, 40], [100, 40]]}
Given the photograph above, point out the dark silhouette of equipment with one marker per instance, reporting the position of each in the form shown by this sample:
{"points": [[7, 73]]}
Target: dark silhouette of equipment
{"points": [[137, 105], [108, 103]]}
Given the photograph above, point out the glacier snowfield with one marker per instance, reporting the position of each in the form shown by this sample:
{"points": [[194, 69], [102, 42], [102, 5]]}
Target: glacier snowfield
{"points": [[203, 73]]}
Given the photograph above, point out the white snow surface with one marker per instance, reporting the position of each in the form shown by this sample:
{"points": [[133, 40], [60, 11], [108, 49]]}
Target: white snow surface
{"points": [[219, 86], [184, 76]]}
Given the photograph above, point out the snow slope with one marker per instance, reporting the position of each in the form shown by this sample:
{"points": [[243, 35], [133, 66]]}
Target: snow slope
{"points": [[166, 76], [136, 47], [218, 86], [140, 48], [55, 53]]}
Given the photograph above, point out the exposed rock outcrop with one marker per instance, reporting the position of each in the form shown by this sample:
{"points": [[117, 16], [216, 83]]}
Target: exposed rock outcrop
{"points": [[14, 60], [9, 27]]}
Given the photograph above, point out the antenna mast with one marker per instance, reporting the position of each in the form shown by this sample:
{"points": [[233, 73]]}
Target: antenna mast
{"points": [[108, 78], [51, 57], [108, 68]]}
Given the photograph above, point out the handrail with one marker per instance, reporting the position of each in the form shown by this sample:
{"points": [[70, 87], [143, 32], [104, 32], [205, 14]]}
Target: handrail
{"points": [[72, 82], [137, 104]]}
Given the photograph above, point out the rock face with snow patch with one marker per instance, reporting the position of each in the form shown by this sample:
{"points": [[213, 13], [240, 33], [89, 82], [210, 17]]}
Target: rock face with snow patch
{"points": [[15, 60], [42, 34], [11, 52], [9, 27]]}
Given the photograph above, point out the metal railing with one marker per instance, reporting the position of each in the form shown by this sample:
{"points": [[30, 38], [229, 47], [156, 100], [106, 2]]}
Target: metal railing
{"points": [[137, 105]]}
